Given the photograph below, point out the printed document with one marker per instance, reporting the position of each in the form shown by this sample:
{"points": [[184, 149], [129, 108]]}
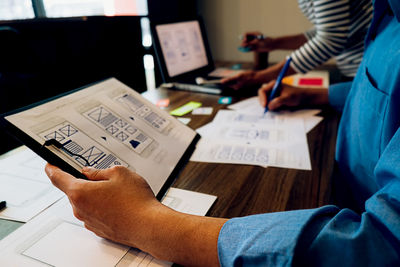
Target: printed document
{"points": [[24, 185], [266, 140], [252, 106]]}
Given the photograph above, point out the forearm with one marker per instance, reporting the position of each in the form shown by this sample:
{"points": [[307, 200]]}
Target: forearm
{"points": [[272, 73], [289, 42], [181, 238]]}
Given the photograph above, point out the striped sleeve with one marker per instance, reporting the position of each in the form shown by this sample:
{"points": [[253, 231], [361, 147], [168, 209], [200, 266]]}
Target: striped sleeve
{"points": [[310, 33], [332, 27]]}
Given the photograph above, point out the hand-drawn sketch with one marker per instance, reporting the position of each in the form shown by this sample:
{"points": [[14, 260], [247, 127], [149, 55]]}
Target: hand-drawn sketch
{"points": [[121, 130], [144, 112], [68, 130], [81, 148]]}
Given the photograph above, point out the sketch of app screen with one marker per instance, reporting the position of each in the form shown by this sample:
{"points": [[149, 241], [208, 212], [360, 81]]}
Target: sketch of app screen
{"points": [[80, 148], [182, 46]]}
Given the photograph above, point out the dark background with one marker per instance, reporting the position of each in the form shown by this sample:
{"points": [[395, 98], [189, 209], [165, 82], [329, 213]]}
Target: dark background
{"points": [[44, 57]]}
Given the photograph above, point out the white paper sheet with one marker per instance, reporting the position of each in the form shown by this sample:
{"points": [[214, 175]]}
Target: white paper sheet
{"points": [[24, 185], [56, 238], [188, 201], [240, 138], [252, 106], [203, 111]]}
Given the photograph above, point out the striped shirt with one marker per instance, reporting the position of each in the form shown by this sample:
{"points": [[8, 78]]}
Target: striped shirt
{"points": [[339, 30]]}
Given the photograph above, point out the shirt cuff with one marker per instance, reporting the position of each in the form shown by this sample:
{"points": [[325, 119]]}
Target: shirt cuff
{"points": [[338, 94]]}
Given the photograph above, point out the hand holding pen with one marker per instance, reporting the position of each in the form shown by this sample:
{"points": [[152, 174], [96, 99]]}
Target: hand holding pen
{"points": [[278, 83]]}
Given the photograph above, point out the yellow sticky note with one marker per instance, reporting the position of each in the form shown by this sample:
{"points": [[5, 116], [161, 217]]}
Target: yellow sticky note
{"points": [[185, 109], [289, 80]]}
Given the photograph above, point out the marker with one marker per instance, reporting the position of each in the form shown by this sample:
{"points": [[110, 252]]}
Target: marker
{"points": [[277, 85], [249, 38], [2, 205]]}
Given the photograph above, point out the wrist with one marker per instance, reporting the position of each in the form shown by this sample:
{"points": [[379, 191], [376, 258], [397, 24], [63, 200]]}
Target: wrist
{"points": [[144, 223], [177, 237], [316, 96]]}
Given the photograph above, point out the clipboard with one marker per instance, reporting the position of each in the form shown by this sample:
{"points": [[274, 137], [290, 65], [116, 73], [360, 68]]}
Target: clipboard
{"points": [[102, 125]]}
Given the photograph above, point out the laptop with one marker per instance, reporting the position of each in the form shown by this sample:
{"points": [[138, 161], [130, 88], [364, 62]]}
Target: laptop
{"points": [[184, 56]]}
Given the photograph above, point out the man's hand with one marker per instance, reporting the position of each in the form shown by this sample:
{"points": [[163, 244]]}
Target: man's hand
{"points": [[291, 96], [113, 204], [255, 78], [241, 80], [119, 205]]}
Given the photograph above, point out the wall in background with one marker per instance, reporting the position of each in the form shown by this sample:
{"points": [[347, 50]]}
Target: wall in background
{"points": [[226, 20]]}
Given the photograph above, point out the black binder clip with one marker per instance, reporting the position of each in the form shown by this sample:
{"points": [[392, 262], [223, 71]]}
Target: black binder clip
{"points": [[54, 142]]}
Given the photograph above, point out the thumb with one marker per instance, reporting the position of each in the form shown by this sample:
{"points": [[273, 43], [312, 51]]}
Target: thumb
{"points": [[263, 92], [94, 174]]}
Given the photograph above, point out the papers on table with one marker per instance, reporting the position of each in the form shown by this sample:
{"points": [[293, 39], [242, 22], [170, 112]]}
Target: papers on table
{"points": [[24, 185], [184, 120], [242, 138], [188, 201], [245, 135], [203, 111], [252, 106], [56, 238]]}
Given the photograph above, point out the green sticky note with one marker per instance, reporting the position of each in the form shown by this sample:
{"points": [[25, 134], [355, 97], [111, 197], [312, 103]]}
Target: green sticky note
{"points": [[185, 109]]}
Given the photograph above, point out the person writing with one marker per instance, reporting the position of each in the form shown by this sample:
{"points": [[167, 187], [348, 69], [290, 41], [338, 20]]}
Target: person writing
{"points": [[339, 31], [364, 230]]}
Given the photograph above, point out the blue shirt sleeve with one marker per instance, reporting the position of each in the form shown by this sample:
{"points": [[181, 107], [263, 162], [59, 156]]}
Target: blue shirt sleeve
{"points": [[338, 94], [325, 236]]}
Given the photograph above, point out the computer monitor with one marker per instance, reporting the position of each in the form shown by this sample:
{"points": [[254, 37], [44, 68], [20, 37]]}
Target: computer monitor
{"points": [[182, 50]]}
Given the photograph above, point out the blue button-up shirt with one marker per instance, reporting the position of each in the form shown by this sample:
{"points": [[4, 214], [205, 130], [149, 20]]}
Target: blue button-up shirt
{"points": [[366, 230]]}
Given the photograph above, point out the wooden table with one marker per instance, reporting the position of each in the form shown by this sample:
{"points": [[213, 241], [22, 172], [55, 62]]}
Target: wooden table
{"points": [[243, 189]]}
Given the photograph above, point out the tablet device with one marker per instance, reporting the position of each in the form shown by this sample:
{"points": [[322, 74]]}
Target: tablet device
{"points": [[104, 125]]}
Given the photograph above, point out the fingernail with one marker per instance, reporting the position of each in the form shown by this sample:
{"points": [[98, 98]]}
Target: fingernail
{"points": [[48, 171], [88, 169]]}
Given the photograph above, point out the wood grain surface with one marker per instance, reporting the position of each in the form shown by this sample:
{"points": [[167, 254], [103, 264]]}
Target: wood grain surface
{"points": [[243, 189]]}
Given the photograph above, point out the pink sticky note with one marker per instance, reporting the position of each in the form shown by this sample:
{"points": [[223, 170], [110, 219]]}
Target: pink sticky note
{"points": [[163, 103], [311, 81]]}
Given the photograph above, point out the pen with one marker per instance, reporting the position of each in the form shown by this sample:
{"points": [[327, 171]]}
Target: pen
{"points": [[277, 85], [2, 205]]}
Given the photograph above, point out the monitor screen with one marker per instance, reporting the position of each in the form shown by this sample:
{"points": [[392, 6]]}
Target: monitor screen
{"points": [[182, 46]]}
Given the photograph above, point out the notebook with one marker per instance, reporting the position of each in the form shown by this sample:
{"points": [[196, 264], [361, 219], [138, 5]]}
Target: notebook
{"points": [[184, 56]]}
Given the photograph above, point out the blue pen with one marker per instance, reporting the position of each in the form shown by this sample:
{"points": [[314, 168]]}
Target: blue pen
{"points": [[277, 85]]}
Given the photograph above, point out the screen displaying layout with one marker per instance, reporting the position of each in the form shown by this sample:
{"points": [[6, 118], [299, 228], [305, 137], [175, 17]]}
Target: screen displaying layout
{"points": [[109, 124], [182, 47]]}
